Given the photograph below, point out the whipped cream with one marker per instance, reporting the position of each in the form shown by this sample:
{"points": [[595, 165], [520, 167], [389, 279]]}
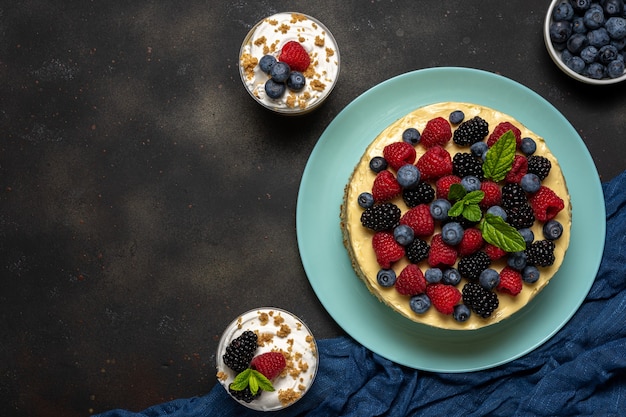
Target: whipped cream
{"points": [[279, 331], [268, 37]]}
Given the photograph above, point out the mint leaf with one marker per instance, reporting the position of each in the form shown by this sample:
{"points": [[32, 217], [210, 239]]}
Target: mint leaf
{"points": [[499, 233], [456, 192], [457, 209], [241, 380], [253, 379], [474, 197], [263, 383], [472, 212], [499, 158]]}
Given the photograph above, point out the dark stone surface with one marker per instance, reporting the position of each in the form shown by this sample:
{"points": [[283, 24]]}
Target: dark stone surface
{"points": [[146, 200]]}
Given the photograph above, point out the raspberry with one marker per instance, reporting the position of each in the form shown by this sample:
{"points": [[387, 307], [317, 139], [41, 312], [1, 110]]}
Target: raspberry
{"points": [[539, 165], [240, 351], [434, 163], [385, 186], [546, 204], [510, 281], [479, 299], [411, 280], [437, 132], [464, 164], [494, 252], [493, 194], [294, 55], [440, 253], [520, 216], [500, 130], [386, 248], [443, 185], [471, 131], [420, 220], [540, 253], [443, 297], [380, 217], [472, 241], [422, 194], [518, 169], [472, 265], [270, 364], [513, 195], [417, 251], [399, 153]]}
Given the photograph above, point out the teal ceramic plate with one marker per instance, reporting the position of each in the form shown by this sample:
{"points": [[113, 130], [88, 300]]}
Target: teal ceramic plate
{"points": [[375, 325]]}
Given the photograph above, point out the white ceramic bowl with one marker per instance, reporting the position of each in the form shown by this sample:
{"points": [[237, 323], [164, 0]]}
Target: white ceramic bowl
{"points": [[556, 55], [267, 37]]}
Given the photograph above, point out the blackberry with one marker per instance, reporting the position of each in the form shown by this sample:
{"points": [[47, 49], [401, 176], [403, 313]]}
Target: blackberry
{"points": [[520, 216], [240, 351], [244, 395], [540, 253], [539, 165], [471, 131], [382, 216], [471, 266], [513, 195], [482, 301], [464, 164], [417, 251], [424, 193], [466, 224]]}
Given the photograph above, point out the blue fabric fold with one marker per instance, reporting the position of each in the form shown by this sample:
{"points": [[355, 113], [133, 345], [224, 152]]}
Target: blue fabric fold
{"points": [[581, 371]]}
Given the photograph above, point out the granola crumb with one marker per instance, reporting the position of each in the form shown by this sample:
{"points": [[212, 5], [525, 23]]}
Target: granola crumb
{"points": [[283, 331], [319, 41], [222, 376], [288, 396], [317, 85]]}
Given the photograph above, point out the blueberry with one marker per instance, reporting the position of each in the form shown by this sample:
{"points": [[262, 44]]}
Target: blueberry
{"points": [[581, 5], [489, 279], [274, 89], [577, 42], [593, 18], [614, 7], [470, 183], [419, 303], [615, 68], [517, 260], [589, 54], [366, 200], [451, 276], [552, 229], [566, 55], [439, 209], [378, 164], [620, 44], [461, 313], [595, 70], [599, 37], [411, 135], [479, 149], [433, 275], [266, 63], [578, 26], [530, 274], [616, 26], [456, 117], [296, 81], [497, 211], [528, 146], [403, 234], [452, 233], [607, 54], [408, 176], [280, 72], [386, 277], [563, 11], [528, 236], [576, 64], [530, 183], [560, 31]]}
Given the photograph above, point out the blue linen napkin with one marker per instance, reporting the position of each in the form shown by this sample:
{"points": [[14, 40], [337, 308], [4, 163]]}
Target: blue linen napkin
{"points": [[581, 371]]}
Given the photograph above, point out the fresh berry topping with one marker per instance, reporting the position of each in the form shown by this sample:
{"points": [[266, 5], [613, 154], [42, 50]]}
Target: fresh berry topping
{"points": [[539, 165], [510, 281], [452, 233], [366, 200], [528, 146], [439, 209], [419, 219], [471, 131], [465, 164], [411, 280], [434, 163], [518, 169], [294, 55], [461, 313], [266, 63], [546, 204], [517, 260], [472, 265], [280, 72], [451, 276], [520, 216], [403, 234], [530, 183], [513, 195], [494, 252], [378, 164], [528, 235], [498, 211], [552, 230], [530, 274], [433, 275], [493, 194], [244, 394], [470, 183], [540, 253], [408, 176], [419, 303], [441, 254], [472, 242], [489, 279], [386, 248], [386, 278], [436, 133], [274, 89], [482, 301], [443, 297], [417, 251], [443, 185], [501, 129], [296, 81], [270, 364], [423, 193], [379, 217], [479, 150], [411, 135], [385, 186], [240, 351], [399, 153], [456, 117]]}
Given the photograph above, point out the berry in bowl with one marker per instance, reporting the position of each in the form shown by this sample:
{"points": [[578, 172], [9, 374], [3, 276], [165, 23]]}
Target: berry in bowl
{"points": [[289, 63], [587, 39], [267, 359]]}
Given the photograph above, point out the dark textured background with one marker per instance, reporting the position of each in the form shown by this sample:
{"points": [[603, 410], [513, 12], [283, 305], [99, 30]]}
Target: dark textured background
{"points": [[146, 200]]}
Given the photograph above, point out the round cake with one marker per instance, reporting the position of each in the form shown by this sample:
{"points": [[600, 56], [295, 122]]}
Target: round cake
{"points": [[456, 216]]}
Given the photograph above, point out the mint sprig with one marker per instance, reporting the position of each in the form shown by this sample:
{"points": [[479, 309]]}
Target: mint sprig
{"points": [[499, 233], [499, 158], [466, 204], [253, 379]]}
